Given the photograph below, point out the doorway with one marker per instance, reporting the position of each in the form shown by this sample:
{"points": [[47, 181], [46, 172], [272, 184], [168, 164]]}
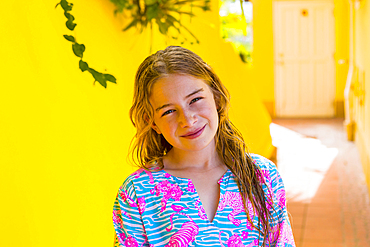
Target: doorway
{"points": [[304, 64]]}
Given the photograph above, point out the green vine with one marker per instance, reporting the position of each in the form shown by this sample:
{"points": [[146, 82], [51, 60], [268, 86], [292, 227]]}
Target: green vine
{"points": [[165, 13], [79, 49]]}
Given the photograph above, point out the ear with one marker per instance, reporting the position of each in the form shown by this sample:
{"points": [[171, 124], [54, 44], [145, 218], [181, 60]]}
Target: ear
{"points": [[217, 102], [156, 129], [146, 118]]}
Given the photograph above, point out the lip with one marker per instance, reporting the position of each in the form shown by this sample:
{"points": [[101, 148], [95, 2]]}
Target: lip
{"points": [[194, 134]]}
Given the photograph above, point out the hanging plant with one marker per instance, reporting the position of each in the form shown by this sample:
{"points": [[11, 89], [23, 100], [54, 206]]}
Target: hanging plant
{"points": [[165, 13], [79, 49]]}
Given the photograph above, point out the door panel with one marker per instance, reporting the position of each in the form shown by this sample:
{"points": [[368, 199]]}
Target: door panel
{"points": [[304, 46]]}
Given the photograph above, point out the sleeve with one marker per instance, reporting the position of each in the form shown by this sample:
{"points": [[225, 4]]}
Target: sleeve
{"points": [[283, 234], [127, 220]]}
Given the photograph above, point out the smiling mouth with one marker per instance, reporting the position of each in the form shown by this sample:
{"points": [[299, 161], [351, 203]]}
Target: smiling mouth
{"points": [[194, 134]]}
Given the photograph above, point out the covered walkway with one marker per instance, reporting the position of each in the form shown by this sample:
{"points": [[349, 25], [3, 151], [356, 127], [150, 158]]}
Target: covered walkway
{"points": [[327, 196]]}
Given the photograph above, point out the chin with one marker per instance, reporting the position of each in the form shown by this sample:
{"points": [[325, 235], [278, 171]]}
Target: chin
{"points": [[198, 146]]}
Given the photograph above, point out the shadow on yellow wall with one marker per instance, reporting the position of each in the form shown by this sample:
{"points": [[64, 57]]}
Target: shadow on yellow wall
{"points": [[358, 111], [64, 141]]}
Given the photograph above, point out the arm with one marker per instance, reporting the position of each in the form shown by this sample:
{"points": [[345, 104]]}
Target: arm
{"points": [[127, 221], [283, 230], [281, 234]]}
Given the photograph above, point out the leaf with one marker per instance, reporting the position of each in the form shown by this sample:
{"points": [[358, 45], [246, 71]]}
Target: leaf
{"points": [[133, 23], [57, 5], [98, 77], [110, 78], [206, 8], [163, 27], [171, 18], [65, 5], [152, 11], [131, 6], [150, 2], [182, 2], [78, 49], [185, 13], [103, 83], [70, 25], [83, 66], [69, 16], [69, 38], [171, 21]]}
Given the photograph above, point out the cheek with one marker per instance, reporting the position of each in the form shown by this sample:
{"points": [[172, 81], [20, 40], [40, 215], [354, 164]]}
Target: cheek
{"points": [[167, 127], [210, 111]]}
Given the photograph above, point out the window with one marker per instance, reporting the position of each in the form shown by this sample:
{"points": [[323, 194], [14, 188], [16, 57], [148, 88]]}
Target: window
{"points": [[236, 27]]}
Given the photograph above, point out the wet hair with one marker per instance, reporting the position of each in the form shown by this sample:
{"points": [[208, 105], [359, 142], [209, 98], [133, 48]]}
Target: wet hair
{"points": [[148, 147]]}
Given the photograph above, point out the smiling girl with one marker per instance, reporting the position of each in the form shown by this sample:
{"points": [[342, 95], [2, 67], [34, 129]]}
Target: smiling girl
{"points": [[197, 185]]}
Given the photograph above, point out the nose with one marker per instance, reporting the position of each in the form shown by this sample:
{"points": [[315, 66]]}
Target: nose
{"points": [[187, 118]]}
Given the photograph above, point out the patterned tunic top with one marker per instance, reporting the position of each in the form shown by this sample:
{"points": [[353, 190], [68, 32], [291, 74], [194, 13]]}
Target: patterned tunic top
{"points": [[157, 209]]}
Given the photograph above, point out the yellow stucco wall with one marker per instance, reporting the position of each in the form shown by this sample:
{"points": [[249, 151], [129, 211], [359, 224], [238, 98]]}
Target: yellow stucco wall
{"points": [[263, 56], [361, 83], [64, 141]]}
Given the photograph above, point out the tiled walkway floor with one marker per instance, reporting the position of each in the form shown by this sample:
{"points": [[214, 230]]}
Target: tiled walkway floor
{"points": [[327, 195]]}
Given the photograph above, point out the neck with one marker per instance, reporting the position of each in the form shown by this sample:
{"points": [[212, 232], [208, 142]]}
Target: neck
{"points": [[204, 159]]}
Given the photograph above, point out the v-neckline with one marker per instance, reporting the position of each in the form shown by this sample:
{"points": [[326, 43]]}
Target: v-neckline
{"points": [[194, 194]]}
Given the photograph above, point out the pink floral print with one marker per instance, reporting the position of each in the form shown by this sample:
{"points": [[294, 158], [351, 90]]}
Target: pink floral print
{"points": [[155, 209]]}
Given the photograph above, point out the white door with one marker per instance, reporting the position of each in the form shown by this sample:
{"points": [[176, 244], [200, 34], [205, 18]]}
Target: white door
{"points": [[304, 47]]}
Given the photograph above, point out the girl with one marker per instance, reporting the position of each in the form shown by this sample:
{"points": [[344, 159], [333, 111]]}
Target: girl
{"points": [[197, 186]]}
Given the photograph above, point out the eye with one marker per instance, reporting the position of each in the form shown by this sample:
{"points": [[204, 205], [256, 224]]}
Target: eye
{"points": [[167, 112], [195, 99]]}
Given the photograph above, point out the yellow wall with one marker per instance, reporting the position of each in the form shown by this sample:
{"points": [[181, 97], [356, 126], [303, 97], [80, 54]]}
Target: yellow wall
{"points": [[263, 44], [64, 141], [361, 83], [341, 12], [263, 55]]}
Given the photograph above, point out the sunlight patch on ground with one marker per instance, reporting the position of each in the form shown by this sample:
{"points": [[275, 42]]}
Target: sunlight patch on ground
{"points": [[303, 162]]}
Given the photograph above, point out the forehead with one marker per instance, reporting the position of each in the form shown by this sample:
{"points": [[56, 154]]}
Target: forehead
{"points": [[174, 86]]}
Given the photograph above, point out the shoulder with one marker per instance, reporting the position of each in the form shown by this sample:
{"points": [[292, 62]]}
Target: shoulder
{"points": [[139, 182], [269, 171], [264, 164]]}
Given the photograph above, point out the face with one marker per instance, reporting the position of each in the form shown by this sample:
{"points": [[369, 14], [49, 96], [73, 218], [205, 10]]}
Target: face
{"points": [[185, 112]]}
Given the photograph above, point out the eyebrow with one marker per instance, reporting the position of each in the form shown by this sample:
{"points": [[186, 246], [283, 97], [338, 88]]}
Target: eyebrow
{"points": [[187, 96]]}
